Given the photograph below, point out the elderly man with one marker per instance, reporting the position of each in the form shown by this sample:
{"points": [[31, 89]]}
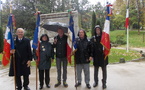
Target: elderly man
{"points": [[60, 43], [23, 57]]}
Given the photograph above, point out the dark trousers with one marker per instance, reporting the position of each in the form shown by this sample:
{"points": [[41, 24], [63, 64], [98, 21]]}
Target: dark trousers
{"points": [[19, 81], [41, 77], [60, 61], [104, 74]]}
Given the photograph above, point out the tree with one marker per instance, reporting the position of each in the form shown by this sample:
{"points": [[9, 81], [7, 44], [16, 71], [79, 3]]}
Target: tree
{"points": [[1, 40], [119, 21], [100, 14], [93, 23]]}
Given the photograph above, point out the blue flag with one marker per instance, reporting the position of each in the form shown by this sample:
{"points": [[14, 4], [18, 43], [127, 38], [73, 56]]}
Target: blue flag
{"points": [[35, 38]]}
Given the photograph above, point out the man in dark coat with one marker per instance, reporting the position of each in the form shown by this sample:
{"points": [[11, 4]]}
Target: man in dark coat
{"points": [[82, 58], [98, 56], [46, 55], [23, 57], [60, 43]]}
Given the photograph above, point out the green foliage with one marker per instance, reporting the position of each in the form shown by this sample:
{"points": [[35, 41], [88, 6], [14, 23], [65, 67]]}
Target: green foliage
{"points": [[93, 23], [118, 21], [115, 33], [1, 40], [120, 40], [135, 40], [1, 57]]}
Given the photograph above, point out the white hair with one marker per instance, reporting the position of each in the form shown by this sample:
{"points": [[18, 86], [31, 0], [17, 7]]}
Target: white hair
{"points": [[21, 29]]}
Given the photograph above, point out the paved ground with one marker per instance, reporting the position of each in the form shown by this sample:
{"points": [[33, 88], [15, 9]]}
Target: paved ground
{"points": [[128, 76]]}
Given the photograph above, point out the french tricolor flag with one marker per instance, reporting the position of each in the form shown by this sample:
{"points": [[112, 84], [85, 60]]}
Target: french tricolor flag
{"points": [[71, 46], [105, 40], [127, 17], [8, 41], [36, 42]]}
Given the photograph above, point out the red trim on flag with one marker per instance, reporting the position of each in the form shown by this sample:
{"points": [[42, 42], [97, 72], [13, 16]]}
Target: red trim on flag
{"points": [[38, 53], [105, 41], [6, 53]]}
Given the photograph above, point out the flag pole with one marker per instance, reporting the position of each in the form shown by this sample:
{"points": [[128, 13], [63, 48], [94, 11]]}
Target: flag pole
{"points": [[13, 55], [14, 66], [36, 61], [127, 39]]}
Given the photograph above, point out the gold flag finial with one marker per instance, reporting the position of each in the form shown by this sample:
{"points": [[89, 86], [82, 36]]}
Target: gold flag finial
{"points": [[10, 6]]}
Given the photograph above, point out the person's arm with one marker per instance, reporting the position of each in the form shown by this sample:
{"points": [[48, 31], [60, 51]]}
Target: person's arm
{"points": [[91, 49], [34, 54], [52, 53], [55, 42], [29, 54]]}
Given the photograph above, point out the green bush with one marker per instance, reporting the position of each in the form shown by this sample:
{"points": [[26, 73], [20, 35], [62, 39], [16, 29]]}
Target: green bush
{"points": [[120, 39]]}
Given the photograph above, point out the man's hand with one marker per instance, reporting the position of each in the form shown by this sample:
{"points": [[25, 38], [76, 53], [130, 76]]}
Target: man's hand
{"points": [[55, 41], [28, 63], [90, 58], [12, 51], [52, 60]]}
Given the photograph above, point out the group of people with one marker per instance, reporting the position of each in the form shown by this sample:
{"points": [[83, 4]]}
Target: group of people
{"points": [[86, 51]]}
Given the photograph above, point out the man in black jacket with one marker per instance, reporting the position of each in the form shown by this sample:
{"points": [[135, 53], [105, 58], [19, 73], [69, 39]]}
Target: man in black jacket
{"points": [[23, 57], [98, 56], [82, 56], [60, 43]]}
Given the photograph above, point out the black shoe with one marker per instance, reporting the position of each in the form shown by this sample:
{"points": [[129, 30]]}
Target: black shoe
{"points": [[104, 86], [18, 88], [40, 87], [48, 86], [65, 84], [57, 84], [26, 88], [77, 84], [88, 86], [95, 84]]}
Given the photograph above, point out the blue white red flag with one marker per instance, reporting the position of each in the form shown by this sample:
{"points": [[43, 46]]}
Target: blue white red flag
{"points": [[105, 40], [8, 41], [36, 43], [127, 17], [36, 32], [71, 46]]}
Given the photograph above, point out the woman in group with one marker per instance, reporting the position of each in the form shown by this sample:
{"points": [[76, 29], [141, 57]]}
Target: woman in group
{"points": [[46, 56]]}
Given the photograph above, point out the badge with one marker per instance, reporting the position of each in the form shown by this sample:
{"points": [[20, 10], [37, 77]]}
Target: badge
{"points": [[94, 40], [43, 49]]}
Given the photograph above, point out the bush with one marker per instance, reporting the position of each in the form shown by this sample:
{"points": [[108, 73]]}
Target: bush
{"points": [[120, 40]]}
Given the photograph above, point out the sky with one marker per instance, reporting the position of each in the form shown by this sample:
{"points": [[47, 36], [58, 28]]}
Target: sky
{"points": [[103, 2]]}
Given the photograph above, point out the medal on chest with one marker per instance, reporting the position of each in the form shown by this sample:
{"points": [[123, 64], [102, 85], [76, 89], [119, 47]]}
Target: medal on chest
{"points": [[43, 48]]}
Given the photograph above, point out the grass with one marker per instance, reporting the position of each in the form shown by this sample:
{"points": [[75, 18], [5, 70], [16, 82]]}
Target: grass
{"points": [[1, 57], [116, 54], [135, 40]]}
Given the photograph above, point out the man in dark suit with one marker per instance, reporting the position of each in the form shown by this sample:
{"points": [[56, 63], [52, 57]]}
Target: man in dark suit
{"points": [[23, 57]]}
